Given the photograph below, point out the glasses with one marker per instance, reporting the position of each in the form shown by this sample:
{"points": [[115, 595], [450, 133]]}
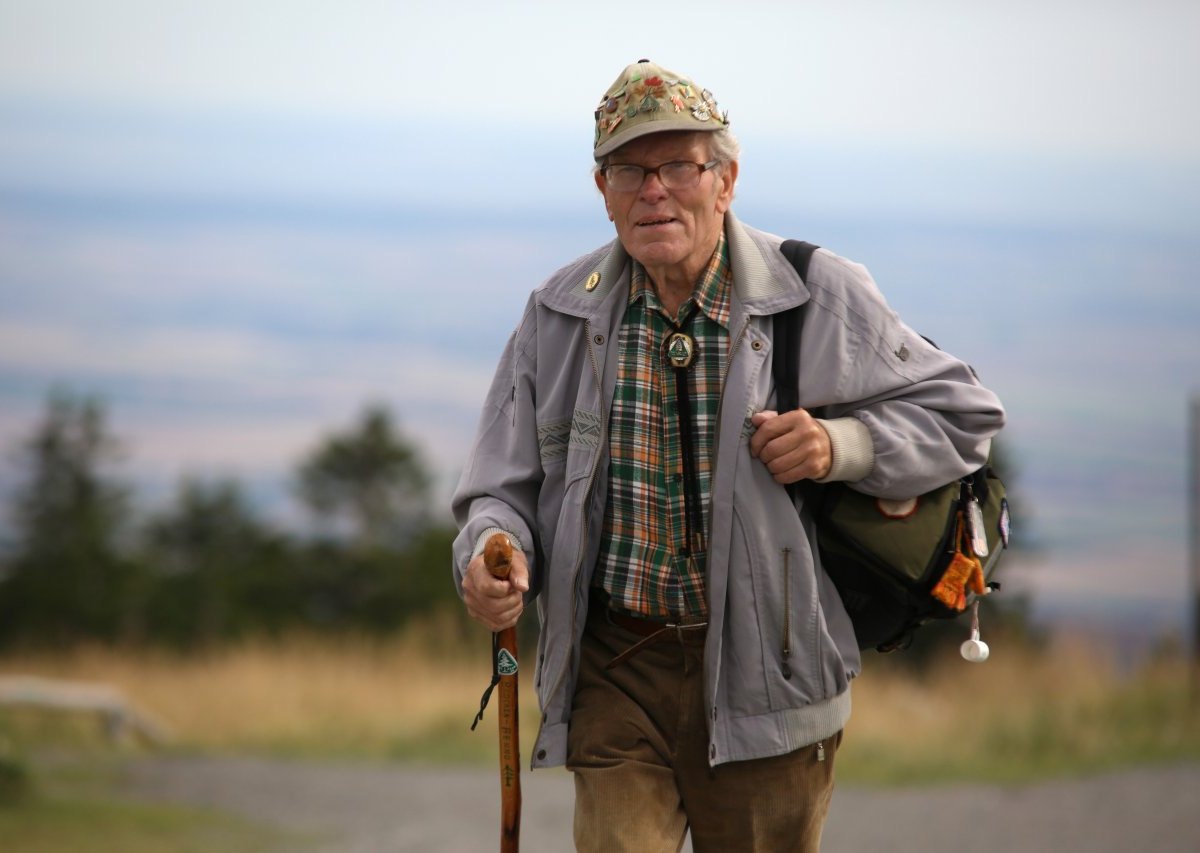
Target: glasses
{"points": [[676, 175]]}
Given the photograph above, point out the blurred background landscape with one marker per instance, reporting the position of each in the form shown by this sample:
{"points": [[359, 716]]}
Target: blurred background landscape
{"points": [[257, 261]]}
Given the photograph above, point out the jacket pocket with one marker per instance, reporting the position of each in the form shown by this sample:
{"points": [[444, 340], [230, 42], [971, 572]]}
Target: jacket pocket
{"points": [[784, 609], [745, 664], [785, 650], [799, 650]]}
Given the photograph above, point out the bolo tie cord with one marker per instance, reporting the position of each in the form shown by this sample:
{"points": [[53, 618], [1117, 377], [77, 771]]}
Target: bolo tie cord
{"points": [[693, 515]]}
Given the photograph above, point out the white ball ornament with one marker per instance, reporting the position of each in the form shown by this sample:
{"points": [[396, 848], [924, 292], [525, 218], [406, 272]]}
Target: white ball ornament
{"points": [[974, 650]]}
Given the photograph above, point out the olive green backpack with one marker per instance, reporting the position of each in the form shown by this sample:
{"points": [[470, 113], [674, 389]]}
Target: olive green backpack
{"points": [[895, 564]]}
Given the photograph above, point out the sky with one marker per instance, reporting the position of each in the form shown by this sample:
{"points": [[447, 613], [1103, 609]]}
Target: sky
{"points": [[239, 222], [1114, 77]]}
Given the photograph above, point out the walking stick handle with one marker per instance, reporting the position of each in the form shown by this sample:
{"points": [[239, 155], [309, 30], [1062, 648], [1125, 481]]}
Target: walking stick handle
{"points": [[497, 556]]}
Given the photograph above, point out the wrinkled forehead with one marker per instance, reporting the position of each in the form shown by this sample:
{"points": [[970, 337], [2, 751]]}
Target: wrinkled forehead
{"points": [[664, 147]]}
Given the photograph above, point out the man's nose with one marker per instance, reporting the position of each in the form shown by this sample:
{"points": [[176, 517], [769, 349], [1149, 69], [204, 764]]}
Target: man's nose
{"points": [[652, 187]]}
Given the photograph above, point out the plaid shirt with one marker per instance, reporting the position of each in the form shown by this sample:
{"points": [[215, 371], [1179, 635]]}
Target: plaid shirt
{"points": [[646, 564]]}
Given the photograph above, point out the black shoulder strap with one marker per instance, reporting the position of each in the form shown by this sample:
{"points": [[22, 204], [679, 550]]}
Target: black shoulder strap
{"points": [[799, 253], [785, 351]]}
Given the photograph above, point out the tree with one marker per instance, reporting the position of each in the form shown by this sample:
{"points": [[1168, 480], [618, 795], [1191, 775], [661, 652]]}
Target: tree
{"points": [[371, 476], [219, 571], [68, 579]]}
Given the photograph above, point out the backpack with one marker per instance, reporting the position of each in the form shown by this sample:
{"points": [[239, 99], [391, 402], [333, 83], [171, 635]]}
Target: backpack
{"points": [[896, 564]]}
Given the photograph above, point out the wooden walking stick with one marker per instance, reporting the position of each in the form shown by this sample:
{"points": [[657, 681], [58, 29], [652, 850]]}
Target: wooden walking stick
{"points": [[497, 556]]}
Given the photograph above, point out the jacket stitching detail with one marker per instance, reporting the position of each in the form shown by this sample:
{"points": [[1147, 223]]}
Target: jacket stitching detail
{"points": [[552, 440], [585, 430]]}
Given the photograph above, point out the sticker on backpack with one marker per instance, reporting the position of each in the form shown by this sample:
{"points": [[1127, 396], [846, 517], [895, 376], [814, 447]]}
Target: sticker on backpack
{"points": [[897, 509]]}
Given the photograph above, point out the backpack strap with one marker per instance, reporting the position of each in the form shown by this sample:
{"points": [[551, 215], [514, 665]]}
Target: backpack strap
{"points": [[785, 350]]}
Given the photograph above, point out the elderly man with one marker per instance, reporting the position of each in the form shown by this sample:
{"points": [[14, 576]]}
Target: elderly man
{"points": [[694, 661]]}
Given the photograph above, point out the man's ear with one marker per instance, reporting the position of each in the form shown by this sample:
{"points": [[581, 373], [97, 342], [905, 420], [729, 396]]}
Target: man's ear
{"points": [[728, 180], [602, 185]]}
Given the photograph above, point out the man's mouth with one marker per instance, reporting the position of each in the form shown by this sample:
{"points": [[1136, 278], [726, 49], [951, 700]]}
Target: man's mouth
{"points": [[660, 220]]}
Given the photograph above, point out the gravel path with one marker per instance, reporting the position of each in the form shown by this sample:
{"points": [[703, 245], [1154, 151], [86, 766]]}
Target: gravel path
{"points": [[351, 808]]}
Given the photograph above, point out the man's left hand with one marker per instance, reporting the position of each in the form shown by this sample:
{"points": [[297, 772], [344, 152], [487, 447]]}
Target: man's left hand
{"points": [[794, 446]]}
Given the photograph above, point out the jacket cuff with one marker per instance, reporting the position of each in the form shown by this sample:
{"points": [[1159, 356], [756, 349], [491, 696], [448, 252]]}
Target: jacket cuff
{"points": [[853, 449], [487, 534]]}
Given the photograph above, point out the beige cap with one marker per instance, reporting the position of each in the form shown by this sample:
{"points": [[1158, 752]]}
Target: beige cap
{"points": [[648, 98]]}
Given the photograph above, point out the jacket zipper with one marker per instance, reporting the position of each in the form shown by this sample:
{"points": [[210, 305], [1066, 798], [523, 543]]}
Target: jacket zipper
{"points": [[587, 501], [787, 612]]}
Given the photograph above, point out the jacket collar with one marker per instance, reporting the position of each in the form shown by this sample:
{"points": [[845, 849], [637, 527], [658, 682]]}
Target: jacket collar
{"points": [[764, 282]]}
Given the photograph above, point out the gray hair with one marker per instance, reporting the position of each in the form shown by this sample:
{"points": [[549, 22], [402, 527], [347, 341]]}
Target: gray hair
{"points": [[724, 146]]}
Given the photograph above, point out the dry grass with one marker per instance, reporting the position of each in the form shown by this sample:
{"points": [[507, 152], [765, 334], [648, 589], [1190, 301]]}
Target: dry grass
{"points": [[354, 696], [1019, 715]]}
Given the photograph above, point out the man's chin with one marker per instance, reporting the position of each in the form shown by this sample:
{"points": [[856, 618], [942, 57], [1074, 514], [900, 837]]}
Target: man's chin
{"points": [[657, 254]]}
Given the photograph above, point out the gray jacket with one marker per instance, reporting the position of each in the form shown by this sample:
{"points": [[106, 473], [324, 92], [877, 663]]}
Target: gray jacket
{"points": [[538, 470]]}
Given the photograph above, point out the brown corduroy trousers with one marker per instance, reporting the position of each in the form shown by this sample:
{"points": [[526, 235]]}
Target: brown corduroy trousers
{"points": [[638, 748]]}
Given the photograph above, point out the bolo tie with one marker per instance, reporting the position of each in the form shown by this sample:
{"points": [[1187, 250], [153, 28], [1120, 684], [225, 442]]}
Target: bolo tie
{"points": [[681, 353]]}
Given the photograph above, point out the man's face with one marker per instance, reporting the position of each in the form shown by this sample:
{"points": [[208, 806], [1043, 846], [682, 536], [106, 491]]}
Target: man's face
{"points": [[671, 232]]}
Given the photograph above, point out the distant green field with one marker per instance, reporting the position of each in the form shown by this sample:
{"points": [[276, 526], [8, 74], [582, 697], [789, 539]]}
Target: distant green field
{"points": [[72, 807]]}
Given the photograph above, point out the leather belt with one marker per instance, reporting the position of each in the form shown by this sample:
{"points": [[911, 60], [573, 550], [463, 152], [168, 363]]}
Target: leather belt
{"points": [[645, 627], [650, 630]]}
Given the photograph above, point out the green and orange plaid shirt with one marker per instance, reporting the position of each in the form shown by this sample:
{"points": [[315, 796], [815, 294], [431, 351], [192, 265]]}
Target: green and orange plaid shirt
{"points": [[646, 564]]}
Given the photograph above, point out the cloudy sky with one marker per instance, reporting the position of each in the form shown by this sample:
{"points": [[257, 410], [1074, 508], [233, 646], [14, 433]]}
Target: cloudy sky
{"points": [[1112, 78], [238, 222]]}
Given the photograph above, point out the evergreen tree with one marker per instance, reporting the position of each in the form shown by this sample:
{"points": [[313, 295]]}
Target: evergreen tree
{"points": [[68, 579], [219, 571], [371, 476]]}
